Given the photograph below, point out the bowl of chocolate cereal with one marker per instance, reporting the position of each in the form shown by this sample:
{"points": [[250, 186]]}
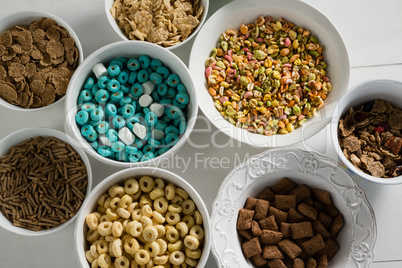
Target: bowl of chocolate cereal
{"points": [[366, 131], [143, 217], [165, 23], [39, 53], [45, 179], [292, 208], [268, 73]]}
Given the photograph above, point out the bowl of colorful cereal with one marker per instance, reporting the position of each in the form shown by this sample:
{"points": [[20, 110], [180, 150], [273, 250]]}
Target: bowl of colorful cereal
{"points": [[165, 23], [39, 54], [130, 103], [292, 208], [268, 72], [44, 181], [143, 217], [366, 131]]}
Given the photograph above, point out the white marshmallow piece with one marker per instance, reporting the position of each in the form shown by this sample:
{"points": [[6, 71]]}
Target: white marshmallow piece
{"points": [[99, 70], [139, 130], [126, 136], [148, 87], [104, 140], [157, 109], [145, 100], [157, 134]]}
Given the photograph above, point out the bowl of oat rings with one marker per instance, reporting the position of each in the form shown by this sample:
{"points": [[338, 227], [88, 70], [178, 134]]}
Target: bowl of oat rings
{"points": [[44, 181], [143, 217], [267, 73], [366, 131], [131, 103], [292, 208], [165, 23], [39, 53]]}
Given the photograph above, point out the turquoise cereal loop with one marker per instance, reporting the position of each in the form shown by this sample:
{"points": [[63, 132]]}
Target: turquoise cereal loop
{"points": [[89, 83], [145, 61], [118, 63], [163, 71], [125, 89], [88, 107], [128, 111], [137, 144], [125, 100], [116, 96], [94, 89], [118, 146], [132, 77], [173, 112], [113, 85], [173, 80], [160, 125], [171, 129], [111, 109], [142, 76], [86, 95], [182, 127], [172, 139], [155, 63], [94, 123], [154, 143], [103, 127], [133, 64], [181, 88], [112, 135], [97, 114], [102, 81], [155, 96], [118, 121], [95, 144], [86, 130], [113, 70], [80, 101], [133, 158], [178, 104], [122, 60], [151, 119], [171, 94], [82, 117], [166, 119], [145, 110], [156, 78], [136, 90], [166, 102], [131, 149], [162, 89], [105, 151], [163, 150], [182, 98], [148, 148], [148, 156], [102, 96], [122, 77], [93, 136]]}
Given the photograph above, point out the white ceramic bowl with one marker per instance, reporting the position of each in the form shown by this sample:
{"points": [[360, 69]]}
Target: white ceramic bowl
{"points": [[128, 49], [121, 34], [24, 134], [26, 17], [240, 12], [118, 178], [361, 93], [356, 239]]}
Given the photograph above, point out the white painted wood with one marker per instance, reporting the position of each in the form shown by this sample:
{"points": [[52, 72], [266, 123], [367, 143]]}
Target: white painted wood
{"points": [[373, 35]]}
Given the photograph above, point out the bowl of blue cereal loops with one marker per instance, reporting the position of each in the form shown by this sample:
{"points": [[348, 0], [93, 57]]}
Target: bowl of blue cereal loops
{"points": [[131, 103]]}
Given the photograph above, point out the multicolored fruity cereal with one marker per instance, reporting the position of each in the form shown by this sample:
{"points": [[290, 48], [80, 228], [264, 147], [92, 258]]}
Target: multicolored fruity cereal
{"points": [[268, 77], [133, 110]]}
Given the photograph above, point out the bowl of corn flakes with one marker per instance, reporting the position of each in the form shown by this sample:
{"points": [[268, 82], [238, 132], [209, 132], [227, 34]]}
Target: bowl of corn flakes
{"points": [[40, 52], [143, 217], [165, 23], [269, 73]]}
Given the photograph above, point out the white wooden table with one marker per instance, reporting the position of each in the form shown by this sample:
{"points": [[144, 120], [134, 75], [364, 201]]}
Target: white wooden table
{"points": [[372, 30]]}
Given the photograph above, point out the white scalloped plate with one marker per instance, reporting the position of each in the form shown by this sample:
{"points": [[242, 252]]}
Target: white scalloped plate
{"points": [[358, 236]]}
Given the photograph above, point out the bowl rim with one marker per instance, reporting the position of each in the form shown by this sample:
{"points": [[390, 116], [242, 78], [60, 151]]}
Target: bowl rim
{"points": [[119, 32], [24, 15], [223, 208], [336, 116], [46, 132], [70, 104], [123, 175], [242, 135]]}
